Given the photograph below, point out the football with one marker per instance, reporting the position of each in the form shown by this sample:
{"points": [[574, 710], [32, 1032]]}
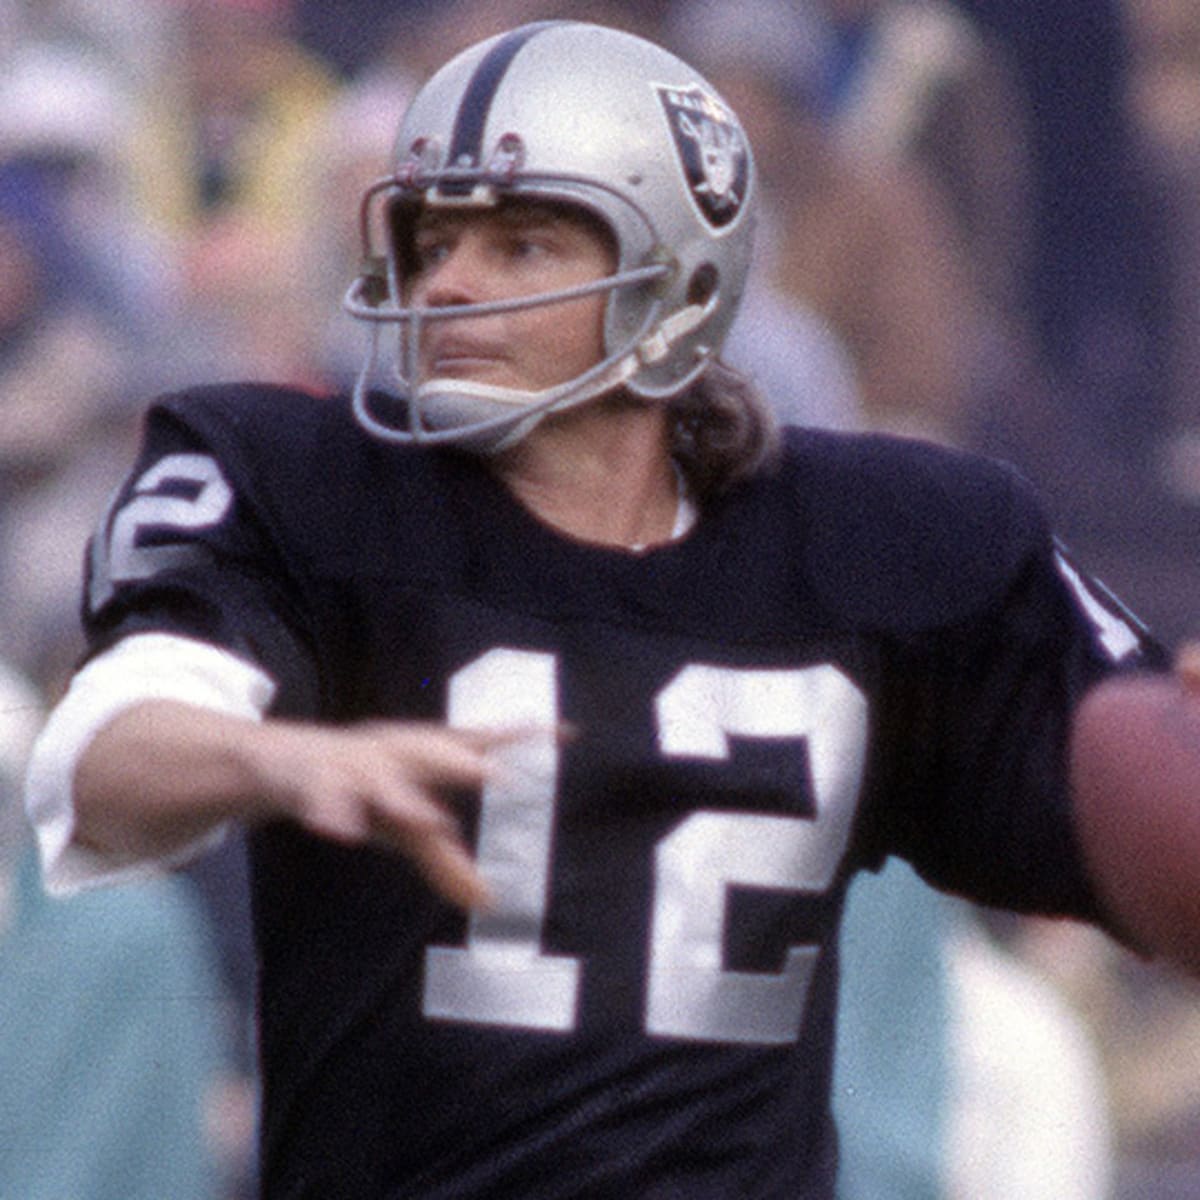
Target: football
{"points": [[1135, 769]]}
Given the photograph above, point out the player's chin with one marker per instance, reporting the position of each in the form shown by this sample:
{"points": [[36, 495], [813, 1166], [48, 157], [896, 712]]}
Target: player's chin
{"points": [[1135, 769]]}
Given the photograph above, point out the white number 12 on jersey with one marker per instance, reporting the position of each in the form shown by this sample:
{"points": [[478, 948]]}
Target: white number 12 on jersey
{"points": [[502, 976]]}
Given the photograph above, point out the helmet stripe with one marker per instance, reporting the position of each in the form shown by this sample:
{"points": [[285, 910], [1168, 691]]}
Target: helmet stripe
{"points": [[466, 142]]}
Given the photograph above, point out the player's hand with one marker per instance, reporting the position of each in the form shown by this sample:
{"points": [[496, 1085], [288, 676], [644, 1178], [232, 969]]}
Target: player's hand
{"points": [[385, 783]]}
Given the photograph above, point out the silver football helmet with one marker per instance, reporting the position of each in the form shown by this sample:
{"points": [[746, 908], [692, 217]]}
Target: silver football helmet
{"points": [[573, 113]]}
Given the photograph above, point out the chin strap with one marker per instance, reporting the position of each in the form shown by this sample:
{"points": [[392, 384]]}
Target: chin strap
{"points": [[441, 400], [657, 346]]}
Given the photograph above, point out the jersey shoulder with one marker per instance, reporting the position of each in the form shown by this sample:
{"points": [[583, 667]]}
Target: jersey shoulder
{"points": [[295, 453], [260, 426], [903, 533]]}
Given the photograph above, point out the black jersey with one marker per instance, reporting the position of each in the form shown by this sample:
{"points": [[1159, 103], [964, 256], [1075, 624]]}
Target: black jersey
{"points": [[871, 649]]}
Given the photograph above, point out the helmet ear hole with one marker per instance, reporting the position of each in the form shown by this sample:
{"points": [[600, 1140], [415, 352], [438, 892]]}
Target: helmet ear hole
{"points": [[703, 284]]}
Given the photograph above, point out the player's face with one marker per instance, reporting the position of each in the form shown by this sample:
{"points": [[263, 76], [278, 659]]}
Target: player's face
{"points": [[514, 251]]}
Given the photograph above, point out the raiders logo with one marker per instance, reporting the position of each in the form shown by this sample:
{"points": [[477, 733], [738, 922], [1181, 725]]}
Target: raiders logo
{"points": [[712, 151]]}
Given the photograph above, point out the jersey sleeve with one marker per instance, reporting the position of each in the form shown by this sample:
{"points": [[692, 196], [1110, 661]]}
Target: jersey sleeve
{"points": [[979, 716], [192, 545], [142, 667]]}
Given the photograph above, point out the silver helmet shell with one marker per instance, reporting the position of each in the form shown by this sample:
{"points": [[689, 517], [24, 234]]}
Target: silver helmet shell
{"points": [[587, 115]]}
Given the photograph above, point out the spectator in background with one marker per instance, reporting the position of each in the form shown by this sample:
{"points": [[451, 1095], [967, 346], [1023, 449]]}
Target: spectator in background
{"points": [[1097, 261], [916, 82], [918, 91], [1164, 102], [75, 301], [224, 131], [219, 153]]}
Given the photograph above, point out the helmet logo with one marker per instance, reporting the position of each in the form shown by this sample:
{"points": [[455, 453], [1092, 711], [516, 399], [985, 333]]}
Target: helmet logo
{"points": [[712, 151]]}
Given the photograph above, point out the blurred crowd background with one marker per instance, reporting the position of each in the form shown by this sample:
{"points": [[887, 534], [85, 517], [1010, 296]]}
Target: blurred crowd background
{"points": [[981, 226]]}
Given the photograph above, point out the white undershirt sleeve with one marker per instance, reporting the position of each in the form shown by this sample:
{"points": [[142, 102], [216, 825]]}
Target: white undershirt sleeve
{"points": [[149, 666]]}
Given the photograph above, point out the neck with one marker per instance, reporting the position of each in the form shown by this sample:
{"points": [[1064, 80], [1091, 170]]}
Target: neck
{"points": [[601, 473]]}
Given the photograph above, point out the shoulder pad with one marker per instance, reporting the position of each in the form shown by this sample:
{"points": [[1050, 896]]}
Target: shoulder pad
{"points": [[905, 535], [249, 415], [281, 440]]}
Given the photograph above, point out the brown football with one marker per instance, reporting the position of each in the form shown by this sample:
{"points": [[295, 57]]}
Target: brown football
{"points": [[1136, 775]]}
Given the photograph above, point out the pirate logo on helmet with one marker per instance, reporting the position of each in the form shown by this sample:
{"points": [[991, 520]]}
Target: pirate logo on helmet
{"points": [[712, 151]]}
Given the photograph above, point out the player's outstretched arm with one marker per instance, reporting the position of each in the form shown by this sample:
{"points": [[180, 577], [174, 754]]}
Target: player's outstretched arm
{"points": [[1135, 773], [163, 773]]}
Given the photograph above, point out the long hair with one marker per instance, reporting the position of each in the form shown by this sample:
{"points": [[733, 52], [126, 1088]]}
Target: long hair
{"points": [[723, 431]]}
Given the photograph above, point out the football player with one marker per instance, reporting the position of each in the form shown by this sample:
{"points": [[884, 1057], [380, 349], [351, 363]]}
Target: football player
{"points": [[561, 701]]}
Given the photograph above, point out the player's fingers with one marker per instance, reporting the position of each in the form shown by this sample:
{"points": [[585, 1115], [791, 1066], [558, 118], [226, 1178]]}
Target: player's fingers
{"points": [[451, 871], [446, 757], [425, 833], [337, 822]]}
